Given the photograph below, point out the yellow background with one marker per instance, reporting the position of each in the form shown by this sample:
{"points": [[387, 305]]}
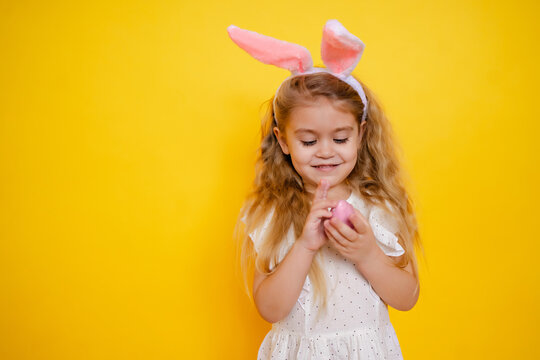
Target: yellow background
{"points": [[128, 135]]}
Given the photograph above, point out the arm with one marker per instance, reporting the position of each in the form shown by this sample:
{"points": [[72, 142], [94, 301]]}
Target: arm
{"points": [[276, 294], [395, 286]]}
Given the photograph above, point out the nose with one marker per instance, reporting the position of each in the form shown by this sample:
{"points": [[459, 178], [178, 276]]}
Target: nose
{"points": [[325, 149]]}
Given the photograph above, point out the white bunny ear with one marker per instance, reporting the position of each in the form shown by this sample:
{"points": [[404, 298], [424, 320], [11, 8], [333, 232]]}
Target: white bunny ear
{"points": [[268, 50], [340, 50]]}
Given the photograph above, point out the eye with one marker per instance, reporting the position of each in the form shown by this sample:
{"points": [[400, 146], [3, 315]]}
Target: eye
{"points": [[308, 143], [341, 141]]}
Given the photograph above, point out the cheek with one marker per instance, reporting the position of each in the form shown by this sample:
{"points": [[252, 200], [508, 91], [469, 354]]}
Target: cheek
{"points": [[351, 153], [302, 154]]}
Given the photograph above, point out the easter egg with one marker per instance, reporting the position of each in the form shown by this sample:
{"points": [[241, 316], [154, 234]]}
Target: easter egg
{"points": [[343, 212]]}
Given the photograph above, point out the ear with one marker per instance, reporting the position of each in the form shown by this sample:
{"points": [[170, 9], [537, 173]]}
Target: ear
{"points": [[281, 141]]}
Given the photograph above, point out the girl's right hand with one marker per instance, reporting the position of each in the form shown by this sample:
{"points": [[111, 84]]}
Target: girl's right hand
{"points": [[313, 236]]}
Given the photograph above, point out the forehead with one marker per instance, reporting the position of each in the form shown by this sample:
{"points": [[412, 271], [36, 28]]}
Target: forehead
{"points": [[320, 117]]}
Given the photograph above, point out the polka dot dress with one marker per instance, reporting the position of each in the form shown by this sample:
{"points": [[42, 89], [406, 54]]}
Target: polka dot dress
{"points": [[355, 324]]}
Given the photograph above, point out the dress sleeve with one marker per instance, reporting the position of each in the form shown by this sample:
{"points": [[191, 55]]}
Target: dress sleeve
{"points": [[257, 234], [384, 227], [257, 237]]}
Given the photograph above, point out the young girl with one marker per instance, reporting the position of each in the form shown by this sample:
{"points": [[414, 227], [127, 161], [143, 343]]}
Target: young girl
{"points": [[325, 286]]}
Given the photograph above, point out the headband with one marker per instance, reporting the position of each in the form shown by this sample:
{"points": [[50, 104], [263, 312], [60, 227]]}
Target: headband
{"points": [[340, 52]]}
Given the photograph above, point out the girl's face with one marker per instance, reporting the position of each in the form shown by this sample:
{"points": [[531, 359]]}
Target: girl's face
{"points": [[323, 143]]}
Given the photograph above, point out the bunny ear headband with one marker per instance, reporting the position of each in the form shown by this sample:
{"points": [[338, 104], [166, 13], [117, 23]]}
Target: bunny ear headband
{"points": [[340, 52]]}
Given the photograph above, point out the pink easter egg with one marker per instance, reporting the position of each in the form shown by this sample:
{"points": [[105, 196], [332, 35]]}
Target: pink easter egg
{"points": [[343, 212]]}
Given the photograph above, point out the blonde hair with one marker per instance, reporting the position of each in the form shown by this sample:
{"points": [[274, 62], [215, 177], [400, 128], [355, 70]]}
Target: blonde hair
{"points": [[377, 176]]}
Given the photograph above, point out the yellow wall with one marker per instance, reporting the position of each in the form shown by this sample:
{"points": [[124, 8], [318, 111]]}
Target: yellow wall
{"points": [[128, 134]]}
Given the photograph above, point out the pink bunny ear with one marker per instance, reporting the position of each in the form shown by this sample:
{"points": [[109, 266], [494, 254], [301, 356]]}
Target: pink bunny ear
{"points": [[340, 50], [268, 50]]}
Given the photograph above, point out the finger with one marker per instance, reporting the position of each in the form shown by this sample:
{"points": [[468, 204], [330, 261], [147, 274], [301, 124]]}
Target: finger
{"points": [[326, 231], [359, 222], [316, 215], [329, 226], [346, 232], [335, 244], [325, 204], [322, 190]]}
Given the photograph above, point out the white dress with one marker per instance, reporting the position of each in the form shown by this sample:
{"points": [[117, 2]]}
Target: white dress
{"points": [[356, 324]]}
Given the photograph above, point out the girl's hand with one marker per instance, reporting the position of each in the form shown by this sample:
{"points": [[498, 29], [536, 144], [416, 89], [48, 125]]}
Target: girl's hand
{"points": [[356, 245], [313, 236]]}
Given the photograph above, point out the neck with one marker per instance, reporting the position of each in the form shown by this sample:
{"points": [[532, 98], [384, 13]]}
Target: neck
{"points": [[338, 192]]}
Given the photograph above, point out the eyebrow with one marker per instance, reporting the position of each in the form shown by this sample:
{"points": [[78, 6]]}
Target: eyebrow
{"points": [[314, 132]]}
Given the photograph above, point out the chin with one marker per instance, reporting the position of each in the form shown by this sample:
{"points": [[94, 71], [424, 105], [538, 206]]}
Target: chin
{"points": [[331, 179], [334, 178]]}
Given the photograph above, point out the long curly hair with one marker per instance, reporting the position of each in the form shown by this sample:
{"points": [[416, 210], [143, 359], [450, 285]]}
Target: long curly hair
{"points": [[377, 176]]}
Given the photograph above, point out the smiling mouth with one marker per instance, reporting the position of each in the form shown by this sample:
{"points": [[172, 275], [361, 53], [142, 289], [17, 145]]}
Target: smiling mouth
{"points": [[326, 167]]}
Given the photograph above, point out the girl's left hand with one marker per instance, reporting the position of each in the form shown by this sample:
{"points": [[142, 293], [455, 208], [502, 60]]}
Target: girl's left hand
{"points": [[356, 245]]}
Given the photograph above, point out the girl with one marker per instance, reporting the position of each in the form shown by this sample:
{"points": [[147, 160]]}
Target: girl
{"points": [[325, 286]]}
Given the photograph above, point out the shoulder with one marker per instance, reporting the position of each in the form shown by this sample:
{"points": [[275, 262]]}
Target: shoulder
{"points": [[359, 203], [259, 237], [385, 216], [375, 213], [258, 234]]}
